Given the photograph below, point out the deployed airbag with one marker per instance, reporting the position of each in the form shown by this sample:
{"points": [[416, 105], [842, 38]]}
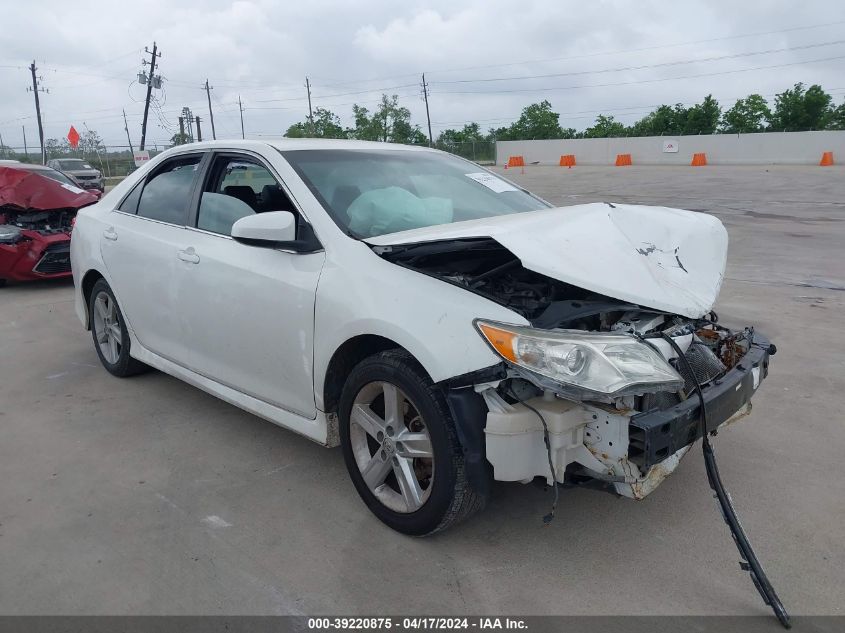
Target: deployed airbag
{"points": [[393, 209]]}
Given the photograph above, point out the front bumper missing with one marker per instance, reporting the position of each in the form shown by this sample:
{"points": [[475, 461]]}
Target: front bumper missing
{"points": [[633, 451], [656, 435]]}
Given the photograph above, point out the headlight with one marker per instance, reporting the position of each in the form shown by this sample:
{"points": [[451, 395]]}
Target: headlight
{"points": [[9, 234], [610, 364]]}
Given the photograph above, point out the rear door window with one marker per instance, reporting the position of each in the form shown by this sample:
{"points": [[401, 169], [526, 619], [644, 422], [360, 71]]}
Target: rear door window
{"points": [[130, 202], [166, 194]]}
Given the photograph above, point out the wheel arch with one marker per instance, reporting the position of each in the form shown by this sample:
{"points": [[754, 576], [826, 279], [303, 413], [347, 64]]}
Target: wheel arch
{"points": [[86, 288], [346, 356]]}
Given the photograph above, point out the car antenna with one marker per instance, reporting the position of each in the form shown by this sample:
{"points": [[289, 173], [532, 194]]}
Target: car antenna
{"points": [[749, 560]]}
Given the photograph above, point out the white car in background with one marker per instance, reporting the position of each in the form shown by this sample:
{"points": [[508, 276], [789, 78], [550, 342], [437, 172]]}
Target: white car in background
{"points": [[442, 325]]}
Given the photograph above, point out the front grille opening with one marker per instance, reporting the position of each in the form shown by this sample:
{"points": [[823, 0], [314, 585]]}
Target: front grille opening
{"points": [[56, 260]]}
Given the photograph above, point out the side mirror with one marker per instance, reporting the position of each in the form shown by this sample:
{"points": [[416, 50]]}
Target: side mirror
{"points": [[275, 229], [273, 226]]}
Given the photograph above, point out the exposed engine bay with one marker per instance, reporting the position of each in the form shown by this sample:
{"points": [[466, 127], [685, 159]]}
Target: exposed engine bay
{"points": [[14, 222], [35, 244], [628, 441], [591, 436], [486, 268]]}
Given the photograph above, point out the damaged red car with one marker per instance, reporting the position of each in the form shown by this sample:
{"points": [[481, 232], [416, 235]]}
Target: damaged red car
{"points": [[37, 210]]}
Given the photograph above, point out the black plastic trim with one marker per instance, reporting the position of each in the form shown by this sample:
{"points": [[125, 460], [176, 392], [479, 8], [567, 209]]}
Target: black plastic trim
{"points": [[470, 416], [655, 435]]}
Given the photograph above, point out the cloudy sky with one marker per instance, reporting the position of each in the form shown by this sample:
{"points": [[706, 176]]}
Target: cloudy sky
{"points": [[485, 59]]}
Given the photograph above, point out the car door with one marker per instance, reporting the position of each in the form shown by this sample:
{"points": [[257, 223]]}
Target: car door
{"points": [[249, 309], [143, 248]]}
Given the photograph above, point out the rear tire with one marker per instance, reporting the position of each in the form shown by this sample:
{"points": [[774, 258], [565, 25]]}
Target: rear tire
{"points": [[108, 329], [401, 448]]}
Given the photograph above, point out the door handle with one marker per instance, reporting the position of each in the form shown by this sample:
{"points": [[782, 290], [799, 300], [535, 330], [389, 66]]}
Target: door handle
{"points": [[189, 255], [110, 234]]}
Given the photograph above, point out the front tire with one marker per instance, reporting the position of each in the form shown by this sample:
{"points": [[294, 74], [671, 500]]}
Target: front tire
{"points": [[401, 448], [111, 338]]}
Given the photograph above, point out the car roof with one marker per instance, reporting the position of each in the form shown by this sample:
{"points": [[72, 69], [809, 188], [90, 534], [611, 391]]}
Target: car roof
{"points": [[29, 167], [287, 144]]}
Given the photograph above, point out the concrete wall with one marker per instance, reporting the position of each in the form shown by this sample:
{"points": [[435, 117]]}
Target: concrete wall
{"points": [[795, 148]]}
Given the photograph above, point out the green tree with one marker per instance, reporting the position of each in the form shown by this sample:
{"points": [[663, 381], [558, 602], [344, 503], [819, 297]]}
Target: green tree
{"points": [[91, 143], [180, 138], [54, 147], [605, 127], [537, 121], [797, 109], [702, 118], [836, 121], [470, 133], [326, 125], [389, 123], [746, 116], [664, 121]]}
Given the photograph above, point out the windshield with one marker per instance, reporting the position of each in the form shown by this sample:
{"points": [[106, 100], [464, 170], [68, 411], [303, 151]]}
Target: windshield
{"points": [[74, 163], [55, 175], [375, 192]]}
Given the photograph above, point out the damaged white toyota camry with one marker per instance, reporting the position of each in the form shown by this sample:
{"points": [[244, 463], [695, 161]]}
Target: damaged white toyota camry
{"points": [[442, 325]]}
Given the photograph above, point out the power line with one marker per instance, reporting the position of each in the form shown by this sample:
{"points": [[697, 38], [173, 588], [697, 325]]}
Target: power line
{"points": [[339, 94], [642, 81], [642, 49], [645, 66], [596, 54]]}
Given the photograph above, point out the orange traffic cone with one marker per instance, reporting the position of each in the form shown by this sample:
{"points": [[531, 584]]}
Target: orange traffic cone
{"points": [[827, 159], [699, 160], [623, 160]]}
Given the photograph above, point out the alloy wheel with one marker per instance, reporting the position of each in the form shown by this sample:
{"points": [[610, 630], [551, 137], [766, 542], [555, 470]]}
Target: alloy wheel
{"points": [[392, 447], [107, 327]]}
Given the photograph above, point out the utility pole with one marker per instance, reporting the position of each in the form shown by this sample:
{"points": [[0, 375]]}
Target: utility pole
{"points": [[199, 130], [35, 90], [427, 115], [241, 108], [210, 113], [188, 118], [182, 128], [153, 55], [25, 150], [310, 113], [126, 127]]}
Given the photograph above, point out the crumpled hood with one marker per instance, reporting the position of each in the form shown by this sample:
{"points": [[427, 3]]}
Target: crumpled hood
{"points": [[25, 190], [656, 257]]}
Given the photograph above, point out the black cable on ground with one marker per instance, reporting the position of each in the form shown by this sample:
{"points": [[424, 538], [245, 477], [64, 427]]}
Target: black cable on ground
{"points": [[551, 515], [749, 560]]}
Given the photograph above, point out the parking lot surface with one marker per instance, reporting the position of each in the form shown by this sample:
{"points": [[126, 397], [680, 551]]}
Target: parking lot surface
{"points": [[147, 496]]}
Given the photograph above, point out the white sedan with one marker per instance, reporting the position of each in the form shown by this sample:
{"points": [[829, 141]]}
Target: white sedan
{"points": [[442, 325]]}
